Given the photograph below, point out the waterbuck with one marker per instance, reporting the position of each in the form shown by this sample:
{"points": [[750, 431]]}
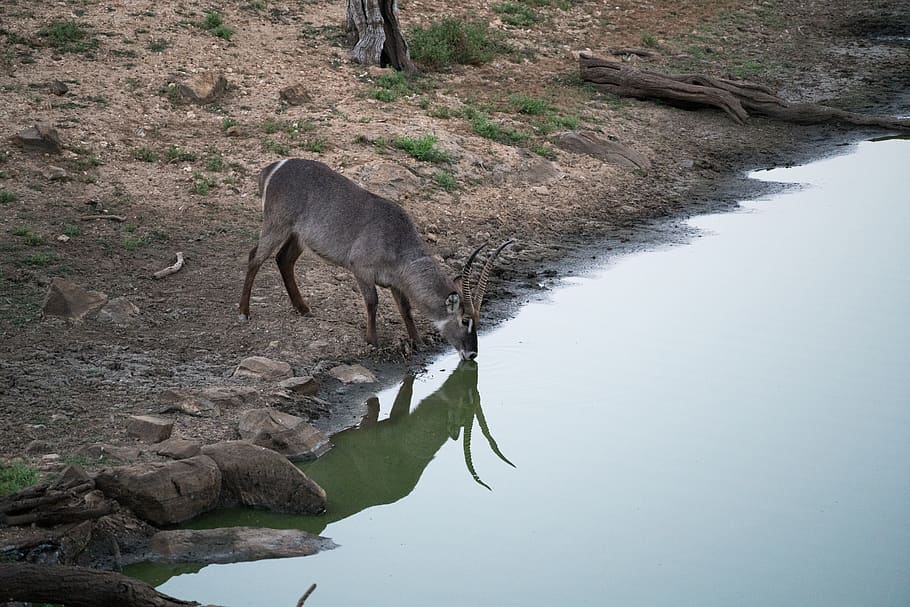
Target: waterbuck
{"points": [[307, 205]]}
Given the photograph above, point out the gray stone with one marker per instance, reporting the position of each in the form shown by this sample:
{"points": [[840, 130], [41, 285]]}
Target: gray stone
{"points": [[38, 446], [287, 434], [233, 545], [149, 429], [260, 367], [41, 138], [388, 179], [119, 311], [71, 301], [164, 493], [177, 447], [296, 94], [612, 152], [207, 402], [352, 374], [261, 478], [203, 88], [304, 385]]}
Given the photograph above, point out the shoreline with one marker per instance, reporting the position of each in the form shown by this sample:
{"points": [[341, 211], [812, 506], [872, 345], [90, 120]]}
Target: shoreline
{"points": [[71, 385]]}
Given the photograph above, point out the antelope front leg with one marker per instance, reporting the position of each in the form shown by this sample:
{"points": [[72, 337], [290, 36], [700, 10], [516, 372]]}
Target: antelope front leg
{"points": [[371, 299], [404, 308]]}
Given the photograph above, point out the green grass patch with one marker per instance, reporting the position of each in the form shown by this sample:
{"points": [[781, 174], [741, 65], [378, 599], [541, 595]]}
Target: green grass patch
{"points": [[158, 45], [203, 184], [390, 87], [484, 126], [175, 154], [214, 24], [649, 40], [145, 154], [423, 148], [453, 41], [317, 145], [15, 477], [71, 230], [40, 259], [31, 239], [516, 13], [270, 145], [68, 37], [7, 197], [215, 163], [525, 104], [445, 181]]}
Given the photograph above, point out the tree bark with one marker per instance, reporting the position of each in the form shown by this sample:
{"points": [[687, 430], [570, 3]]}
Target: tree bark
{"points": [[374, 24], [736, 98], [78, 587]]}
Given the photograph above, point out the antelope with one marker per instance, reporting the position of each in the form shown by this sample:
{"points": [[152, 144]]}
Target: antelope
{"points": [[307, 205]]}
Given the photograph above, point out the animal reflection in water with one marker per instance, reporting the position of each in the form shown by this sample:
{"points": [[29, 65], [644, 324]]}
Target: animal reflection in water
{"points": [[380, 462]]}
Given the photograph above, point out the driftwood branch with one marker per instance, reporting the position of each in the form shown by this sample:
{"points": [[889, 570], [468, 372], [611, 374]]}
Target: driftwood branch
{"points": [[172, 269], [54, 504], [306, 595], [78, 587], [737, 98]]}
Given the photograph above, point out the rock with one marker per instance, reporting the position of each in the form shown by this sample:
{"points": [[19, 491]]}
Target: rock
{"points": [[149, 429], [38, 446], [203, 88], [40, 138], [58, 88], [287, 434], [101, 453], [207, 402], [388, 179], [233, 545], [304, 385], [53, 173], [261, 478], [71, 301], [178, 447], [260, 367], [295, 95], [612, 152], [164, 493], [352, 374], [119, 311]]}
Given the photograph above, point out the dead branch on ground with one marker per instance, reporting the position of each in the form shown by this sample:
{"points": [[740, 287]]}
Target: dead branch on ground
{"points": [[737, 98]]}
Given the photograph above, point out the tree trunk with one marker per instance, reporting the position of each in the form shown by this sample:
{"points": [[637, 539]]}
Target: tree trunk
{"points": [[78, 587], [736, 98], [374, 24]]}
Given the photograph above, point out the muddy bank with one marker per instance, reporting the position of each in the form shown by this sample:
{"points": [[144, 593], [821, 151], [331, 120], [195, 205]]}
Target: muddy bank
{"points": [[66, 387]]}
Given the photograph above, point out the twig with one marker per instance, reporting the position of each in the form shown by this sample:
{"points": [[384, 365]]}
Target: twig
{"points": [[170, 269], [111, 217], [306, 595]]}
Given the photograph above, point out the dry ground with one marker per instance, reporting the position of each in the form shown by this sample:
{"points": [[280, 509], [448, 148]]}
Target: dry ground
{"points": [[74, 384]]}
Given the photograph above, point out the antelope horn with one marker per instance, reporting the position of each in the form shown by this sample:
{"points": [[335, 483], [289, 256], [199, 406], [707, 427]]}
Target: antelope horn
{"points": [[466, 278], [485, 273]]}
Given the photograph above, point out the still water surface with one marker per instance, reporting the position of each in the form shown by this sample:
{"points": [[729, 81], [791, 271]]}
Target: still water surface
{"points": [[721, 423]]}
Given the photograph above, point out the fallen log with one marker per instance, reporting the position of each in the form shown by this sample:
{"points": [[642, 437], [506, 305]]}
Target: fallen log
{"points": [[78, 587], [736, 98]]}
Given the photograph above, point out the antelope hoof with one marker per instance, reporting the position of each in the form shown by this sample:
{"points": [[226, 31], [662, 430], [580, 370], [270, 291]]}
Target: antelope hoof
{"points": [[243, 317]]}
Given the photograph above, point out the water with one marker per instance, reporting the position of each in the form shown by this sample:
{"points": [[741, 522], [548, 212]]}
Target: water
{"points": [[721, 423]]}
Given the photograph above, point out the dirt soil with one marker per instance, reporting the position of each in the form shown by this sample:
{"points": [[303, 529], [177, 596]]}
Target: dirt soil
{"points": [[183, 177]]}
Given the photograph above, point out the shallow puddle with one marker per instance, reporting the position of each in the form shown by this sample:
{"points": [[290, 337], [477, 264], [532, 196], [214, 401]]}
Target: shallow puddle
{"points": [[725, 422]]}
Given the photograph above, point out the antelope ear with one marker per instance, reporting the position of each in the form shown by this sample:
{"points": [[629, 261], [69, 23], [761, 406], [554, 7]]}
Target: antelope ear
{"points": [[453, 303], [458, 283]]}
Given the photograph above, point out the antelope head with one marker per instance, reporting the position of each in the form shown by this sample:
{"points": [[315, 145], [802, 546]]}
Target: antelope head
{"points": [[464, 309]]}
